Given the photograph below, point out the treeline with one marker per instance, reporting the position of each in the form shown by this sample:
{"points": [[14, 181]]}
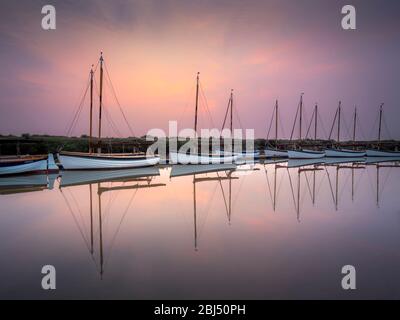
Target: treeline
{"points": [[43, 144]]}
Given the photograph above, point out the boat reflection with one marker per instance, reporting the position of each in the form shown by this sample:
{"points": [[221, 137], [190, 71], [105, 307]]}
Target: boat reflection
{"points": [[26, 183], [331, 168], [131, 180], [220, 173]]}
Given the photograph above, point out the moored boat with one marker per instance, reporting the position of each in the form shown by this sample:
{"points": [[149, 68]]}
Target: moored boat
{"points": [[379, 152], [27, 165], [183, 158], [275, 153], [210, 158], [305, 154], [99, 161], [84, 161], [382, 153], [343, 153]]}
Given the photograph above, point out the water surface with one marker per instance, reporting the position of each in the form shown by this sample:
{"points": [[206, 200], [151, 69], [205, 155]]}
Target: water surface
{"points": [[260, 232]]}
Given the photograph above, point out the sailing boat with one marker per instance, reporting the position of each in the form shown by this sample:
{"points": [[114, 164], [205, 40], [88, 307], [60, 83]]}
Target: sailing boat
{"points": [[378, 152], [340, 152], [275, 152], [98, 161], [13, 165], [246, 155], [184, 158], [303, 153]]}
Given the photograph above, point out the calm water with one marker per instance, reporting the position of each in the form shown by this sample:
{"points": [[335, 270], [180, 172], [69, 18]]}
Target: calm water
{"points": [[262, 232]]}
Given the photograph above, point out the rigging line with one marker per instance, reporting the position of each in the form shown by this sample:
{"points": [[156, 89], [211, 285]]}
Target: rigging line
{"points": [[371, 184], [223, 196], [330, 185], [119, 227], [79, 210], [226, 113], [308, 185], [347, 127], [116, 99], [291, 187], [75, 220], [358, 181], [295, 121], [80, 100], [270, 124], [333, 123], [373, 128], [207, 211], [344, 185], [206, 104], [236, 112], [111, 123], [268, 184], [386, 127], [360, 128], [320, 120], [235, 199], [311, 120], [281, 126], [319, 188], [383, 185], [186, 105], [279, 188]]}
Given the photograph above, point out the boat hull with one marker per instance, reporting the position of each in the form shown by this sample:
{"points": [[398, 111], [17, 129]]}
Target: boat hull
{"points": [[343, 153], [273, 153], [305, 154], [181, 158], [29, 166], [379, 153], [72, 162]]}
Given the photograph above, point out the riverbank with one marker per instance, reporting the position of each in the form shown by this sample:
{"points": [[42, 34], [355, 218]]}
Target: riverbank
{"points": [[42, 144]]}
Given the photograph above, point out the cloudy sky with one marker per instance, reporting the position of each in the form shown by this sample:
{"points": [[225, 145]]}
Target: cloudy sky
{"points": [[265, 50]]}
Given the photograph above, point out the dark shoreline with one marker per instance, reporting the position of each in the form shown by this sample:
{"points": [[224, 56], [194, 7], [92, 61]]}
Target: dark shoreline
{"points": [[42, 144]]}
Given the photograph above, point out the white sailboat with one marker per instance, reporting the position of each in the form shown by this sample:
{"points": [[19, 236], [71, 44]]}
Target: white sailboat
{"points": [[244, 156], [378, 152], [341, 152], [304, 153], [27, 165], [98, 161], [275, 152], [195, 158]]}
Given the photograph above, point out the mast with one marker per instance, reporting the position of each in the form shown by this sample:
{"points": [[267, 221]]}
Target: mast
{"points": [[338, 128], [301, 114], [91, 219], [231, 127], [100, 231], [195, 212], [354, 124], [276, 124], [197, 103], [230, 199], [91, 111], [315, 124], [380, 122], [101, 94]]}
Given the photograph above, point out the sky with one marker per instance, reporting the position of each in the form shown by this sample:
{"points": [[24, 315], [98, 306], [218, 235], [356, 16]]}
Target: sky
{"points": [[264, 50]]}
